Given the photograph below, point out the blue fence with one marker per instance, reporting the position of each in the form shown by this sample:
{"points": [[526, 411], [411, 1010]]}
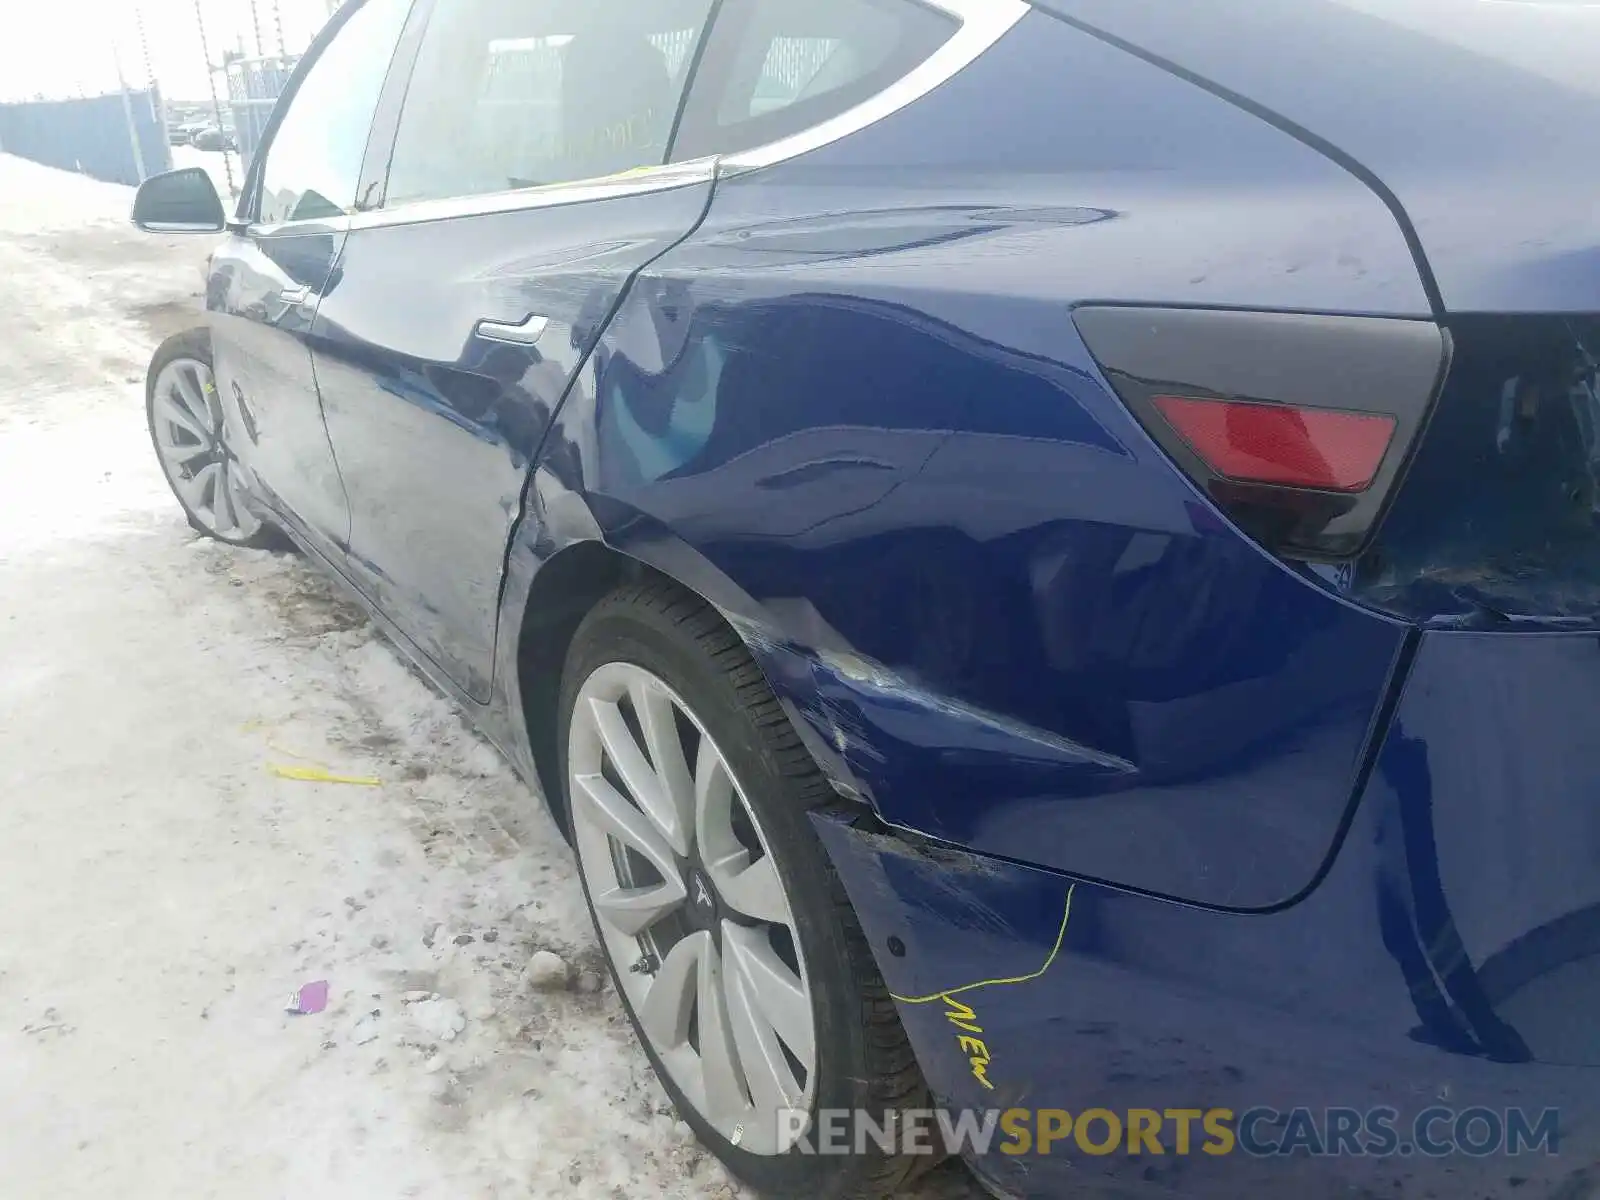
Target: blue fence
{"points": [[90, 136]]}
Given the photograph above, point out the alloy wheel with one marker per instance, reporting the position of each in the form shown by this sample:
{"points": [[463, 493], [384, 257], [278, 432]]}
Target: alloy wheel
{"points": [[691, 908], [190, 431]]}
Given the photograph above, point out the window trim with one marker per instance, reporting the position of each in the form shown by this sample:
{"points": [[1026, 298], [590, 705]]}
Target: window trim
{"points": [[983, 23], [635, 182], [249, 208], [733, 62]]}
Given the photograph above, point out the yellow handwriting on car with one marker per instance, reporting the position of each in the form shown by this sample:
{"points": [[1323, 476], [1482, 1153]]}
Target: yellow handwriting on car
{"points": [[964, 1017]]}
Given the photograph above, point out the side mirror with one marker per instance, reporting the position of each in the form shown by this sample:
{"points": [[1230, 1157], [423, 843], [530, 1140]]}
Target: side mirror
{"points": [[183, 201]]}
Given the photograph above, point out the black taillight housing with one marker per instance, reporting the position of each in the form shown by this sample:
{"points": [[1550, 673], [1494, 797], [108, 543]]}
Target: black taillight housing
{"points": [[1299, 426]]}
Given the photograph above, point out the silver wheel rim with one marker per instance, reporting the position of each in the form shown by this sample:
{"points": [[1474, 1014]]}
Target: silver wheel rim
{"points": [[190, 429], [718, 983]]}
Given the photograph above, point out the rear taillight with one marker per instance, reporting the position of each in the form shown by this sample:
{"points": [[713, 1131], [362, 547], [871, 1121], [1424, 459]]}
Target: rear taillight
{"points": [[1297, 426], [1281, 444]]}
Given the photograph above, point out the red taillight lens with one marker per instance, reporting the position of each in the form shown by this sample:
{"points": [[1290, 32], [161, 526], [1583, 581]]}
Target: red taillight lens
{"points": [[1297, 426], [1281, 444]]}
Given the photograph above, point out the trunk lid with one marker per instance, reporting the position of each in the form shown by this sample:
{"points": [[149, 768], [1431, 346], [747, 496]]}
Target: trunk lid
{"points": [[1481, 118]]}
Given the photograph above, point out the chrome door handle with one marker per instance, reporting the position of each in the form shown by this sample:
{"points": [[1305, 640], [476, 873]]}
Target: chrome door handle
{"points": [[525, 333]]}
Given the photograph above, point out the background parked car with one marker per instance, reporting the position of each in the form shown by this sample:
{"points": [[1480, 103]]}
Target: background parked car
{"points": [[211, 137]]}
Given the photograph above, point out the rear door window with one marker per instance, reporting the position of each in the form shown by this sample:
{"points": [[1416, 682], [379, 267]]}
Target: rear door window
{"points": [[510, 94], [775, 67]]}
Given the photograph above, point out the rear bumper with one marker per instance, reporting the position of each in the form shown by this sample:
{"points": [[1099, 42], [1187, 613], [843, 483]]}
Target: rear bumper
{"points": [[1427, 973]]}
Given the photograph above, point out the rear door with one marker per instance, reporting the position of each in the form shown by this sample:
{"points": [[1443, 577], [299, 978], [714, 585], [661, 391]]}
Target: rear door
{"points": [[525, 190], [266, 280]]}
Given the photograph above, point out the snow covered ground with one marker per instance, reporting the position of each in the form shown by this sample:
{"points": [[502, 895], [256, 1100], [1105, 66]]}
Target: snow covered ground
{"points": [[162, 892]]}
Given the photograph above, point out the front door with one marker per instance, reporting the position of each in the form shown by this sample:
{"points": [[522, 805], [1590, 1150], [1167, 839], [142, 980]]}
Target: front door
{"points": [[268, 277], [525, 192]]}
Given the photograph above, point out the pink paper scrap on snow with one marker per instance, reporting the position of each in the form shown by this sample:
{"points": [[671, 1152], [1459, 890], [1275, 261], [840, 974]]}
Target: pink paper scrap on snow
{"points": [[312, 998]]}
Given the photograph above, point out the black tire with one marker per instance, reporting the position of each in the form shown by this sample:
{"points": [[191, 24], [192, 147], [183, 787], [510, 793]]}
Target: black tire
{"points": [[864, 1060], [196, 344]]}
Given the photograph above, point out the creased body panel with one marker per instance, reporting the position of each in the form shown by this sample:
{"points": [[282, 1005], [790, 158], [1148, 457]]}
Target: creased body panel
{"points": [[435, 419], [852, 410], [1076, 998]]}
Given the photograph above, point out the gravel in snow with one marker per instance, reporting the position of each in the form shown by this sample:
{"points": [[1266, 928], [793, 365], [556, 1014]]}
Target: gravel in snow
{"points": [[163, 894]]}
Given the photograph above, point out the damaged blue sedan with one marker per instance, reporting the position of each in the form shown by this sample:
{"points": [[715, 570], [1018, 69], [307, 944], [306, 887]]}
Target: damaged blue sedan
{"points": [[1046, 554]]}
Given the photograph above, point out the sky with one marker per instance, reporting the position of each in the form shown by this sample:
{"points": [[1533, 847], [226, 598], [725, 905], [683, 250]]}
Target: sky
{"points": [[61, 48]]}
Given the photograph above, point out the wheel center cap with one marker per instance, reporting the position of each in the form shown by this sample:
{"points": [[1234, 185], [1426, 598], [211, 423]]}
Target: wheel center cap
{"points": [[702, 898]]}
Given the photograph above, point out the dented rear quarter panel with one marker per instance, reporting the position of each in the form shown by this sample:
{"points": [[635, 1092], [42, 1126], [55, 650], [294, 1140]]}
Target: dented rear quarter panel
{"points": [[852, 411]]}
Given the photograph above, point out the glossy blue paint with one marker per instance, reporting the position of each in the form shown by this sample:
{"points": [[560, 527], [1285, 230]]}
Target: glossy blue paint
{"points": [[1492, 764], [852, 410], [1125, 185], [259, 338], [434, 426], [1319, 856], [1447, 958], [1479, 118]]}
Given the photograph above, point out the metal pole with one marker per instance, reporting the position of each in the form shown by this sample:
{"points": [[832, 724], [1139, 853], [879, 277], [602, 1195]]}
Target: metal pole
{"points": [[127, 114], [255, 23], [277, 20], [216, 105], [156, 112], [144, 44]]}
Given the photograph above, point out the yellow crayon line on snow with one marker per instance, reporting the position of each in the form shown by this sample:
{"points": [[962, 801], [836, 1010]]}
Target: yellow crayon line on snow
{"points": [[313, 774]]}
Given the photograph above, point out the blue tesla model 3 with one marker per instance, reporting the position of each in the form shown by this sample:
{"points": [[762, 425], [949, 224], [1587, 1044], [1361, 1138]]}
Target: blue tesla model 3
{"points": [[1046, 555]]}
